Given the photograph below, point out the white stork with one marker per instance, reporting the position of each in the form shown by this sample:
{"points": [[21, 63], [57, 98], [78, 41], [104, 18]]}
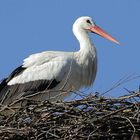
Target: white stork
{"points": [[51, 73]]}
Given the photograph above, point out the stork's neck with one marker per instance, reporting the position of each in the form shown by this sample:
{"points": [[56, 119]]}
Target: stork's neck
{"points": [[86, 57], [82, 36]]}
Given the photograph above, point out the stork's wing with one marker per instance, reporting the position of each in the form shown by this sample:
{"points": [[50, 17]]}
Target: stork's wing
{"points": [[43, 66], [39, 72]]}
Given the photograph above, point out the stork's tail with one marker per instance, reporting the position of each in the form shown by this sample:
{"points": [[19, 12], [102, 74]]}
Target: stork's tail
{"points": [[3, 90], [3, 83]]}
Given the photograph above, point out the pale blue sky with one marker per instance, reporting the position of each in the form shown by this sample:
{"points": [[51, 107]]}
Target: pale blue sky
{"points": [[31, 26]]}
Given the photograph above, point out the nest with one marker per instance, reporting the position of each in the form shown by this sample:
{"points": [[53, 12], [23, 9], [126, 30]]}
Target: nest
{"points": [[92, 118]]}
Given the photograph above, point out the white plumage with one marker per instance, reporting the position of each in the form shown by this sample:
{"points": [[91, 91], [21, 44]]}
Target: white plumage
{"points": [[70, 70]]}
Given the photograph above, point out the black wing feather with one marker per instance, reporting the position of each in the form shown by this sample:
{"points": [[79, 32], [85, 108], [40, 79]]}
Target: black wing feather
{"points": [[15, 73], [11, 92]]}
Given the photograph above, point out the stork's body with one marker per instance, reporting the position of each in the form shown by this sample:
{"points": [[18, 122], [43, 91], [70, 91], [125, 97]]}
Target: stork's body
{"points": [[55, 72]]}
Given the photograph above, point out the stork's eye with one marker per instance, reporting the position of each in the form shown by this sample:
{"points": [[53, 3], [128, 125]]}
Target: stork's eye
{"points": [[88, 21]]}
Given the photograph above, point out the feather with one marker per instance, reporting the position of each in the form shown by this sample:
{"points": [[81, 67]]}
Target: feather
{"points": [[21, 90]]}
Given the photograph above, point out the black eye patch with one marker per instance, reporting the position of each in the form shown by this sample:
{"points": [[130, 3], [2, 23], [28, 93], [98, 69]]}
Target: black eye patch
{"points": [[88, 21]]}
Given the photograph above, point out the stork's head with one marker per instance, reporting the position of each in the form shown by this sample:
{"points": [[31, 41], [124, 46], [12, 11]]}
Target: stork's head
{"points": [[88, 25]]}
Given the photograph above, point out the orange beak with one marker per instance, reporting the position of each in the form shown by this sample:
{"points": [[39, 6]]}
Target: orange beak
{"points": [[96, 29]]}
